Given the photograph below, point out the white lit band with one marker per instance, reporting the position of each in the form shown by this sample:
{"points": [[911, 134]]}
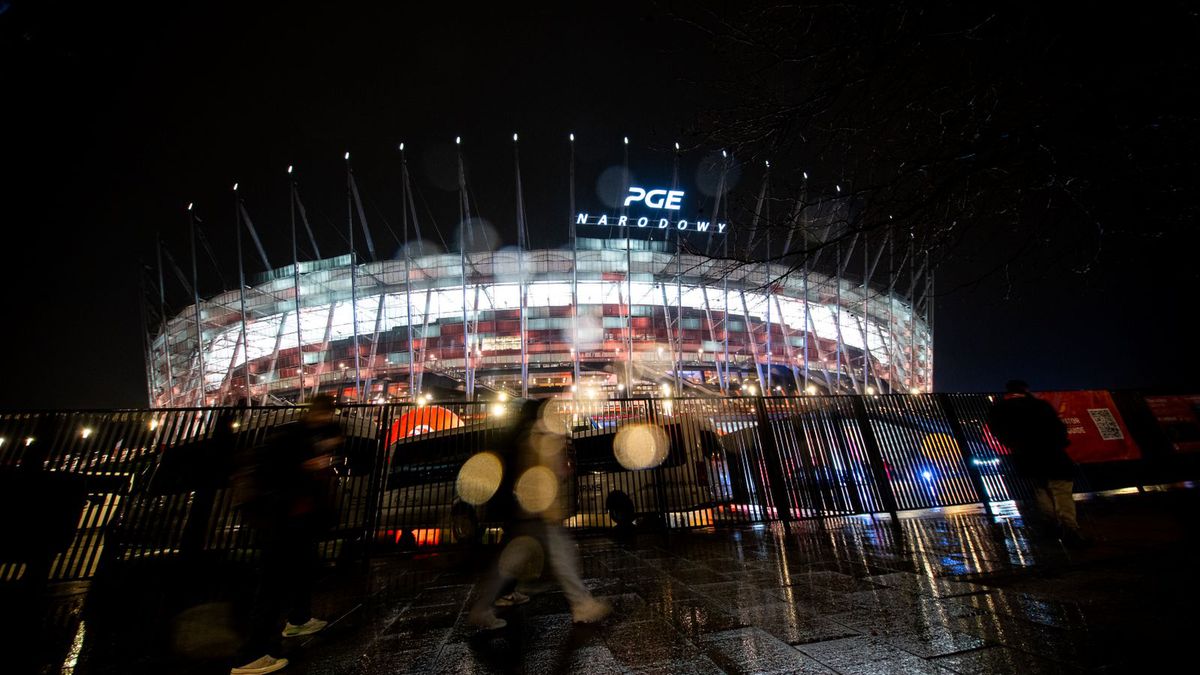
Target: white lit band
{"points": [[647, 223]]}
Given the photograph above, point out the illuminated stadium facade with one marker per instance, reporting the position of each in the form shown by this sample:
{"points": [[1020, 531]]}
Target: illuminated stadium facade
{"points": [[695, 324], [626, 310]]}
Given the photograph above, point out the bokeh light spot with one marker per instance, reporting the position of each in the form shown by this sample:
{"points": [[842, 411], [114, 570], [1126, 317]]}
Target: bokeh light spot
{"points": [[641, 446], [479, 478]]}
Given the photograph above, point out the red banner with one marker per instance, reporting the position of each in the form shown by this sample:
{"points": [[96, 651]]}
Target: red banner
{"points": [[1096, 429], [1179, 418]]}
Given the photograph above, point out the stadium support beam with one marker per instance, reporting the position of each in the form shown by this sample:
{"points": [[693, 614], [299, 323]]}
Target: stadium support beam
{"points": [[725, 312], [362, 216], [821, 357], [405, 196], [787, 344], [522, 244], [238, 210], [162, 305], [574, 271], [274, 356], [929, 311], [712, 334], [324, 349], [807, 328], [424, 341], [375, 344], [464, 213], [677, 347], [751, 340], [628, 281], [912, 314], [227, 384], [196, 300], [763, 383], [300, 210], [670, 337], [293, 201], [353, 280]]}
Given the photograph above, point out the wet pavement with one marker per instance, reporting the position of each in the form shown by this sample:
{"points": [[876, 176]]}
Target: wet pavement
{"points": [[953, 591]]}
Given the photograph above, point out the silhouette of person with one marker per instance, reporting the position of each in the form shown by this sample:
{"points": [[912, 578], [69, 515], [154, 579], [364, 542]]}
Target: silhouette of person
{"points": [[528, 501], [284, 493], [1032, 430]]}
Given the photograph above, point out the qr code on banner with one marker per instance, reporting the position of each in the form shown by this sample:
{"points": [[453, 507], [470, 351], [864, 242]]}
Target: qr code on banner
{"points": [[1106, 424]]}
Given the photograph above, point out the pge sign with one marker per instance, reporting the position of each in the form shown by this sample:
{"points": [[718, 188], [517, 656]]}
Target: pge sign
{"points": [[655, 199], [670, 200]]}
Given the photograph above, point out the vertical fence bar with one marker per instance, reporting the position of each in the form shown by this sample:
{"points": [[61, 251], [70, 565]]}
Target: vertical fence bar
{"points": [[968, 457], [871, 445]]}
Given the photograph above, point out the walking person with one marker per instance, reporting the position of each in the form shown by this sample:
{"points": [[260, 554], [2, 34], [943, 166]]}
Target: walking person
{"points": [[284, 493], [529, 500], [1038, 440]]}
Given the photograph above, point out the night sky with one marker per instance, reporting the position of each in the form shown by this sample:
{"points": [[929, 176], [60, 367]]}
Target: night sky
{"points": [[114, 117]]}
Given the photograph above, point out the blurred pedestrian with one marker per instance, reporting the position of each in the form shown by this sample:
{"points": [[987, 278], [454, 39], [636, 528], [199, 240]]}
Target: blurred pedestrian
{"points": [[1038, 442], [283, 491], [530, 503]]}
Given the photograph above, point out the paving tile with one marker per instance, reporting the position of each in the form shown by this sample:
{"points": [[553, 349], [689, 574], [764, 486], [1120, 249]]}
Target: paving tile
{"points": [[419, 623], [459, 658], [927, 643], [1003, 660], [699, 575], [924, 585], [591, 659], [699, 665], [642, 642], [847, 652], [752, 650], [901, 665], [793, 625], [1060, 614]]}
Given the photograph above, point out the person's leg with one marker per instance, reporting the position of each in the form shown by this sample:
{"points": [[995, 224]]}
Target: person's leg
{"points": [[497, 580], [302, 565], [1043, 499], [564, 563], [1064, 504], [268, 597]]}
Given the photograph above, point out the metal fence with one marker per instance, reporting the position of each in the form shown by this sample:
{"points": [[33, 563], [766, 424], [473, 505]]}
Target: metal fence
{"points": [[154, 484]]}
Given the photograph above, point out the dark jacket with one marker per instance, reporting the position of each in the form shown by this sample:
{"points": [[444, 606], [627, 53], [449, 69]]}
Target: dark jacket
{"points": [[1036, 436], [277, 489], [516, 456]]}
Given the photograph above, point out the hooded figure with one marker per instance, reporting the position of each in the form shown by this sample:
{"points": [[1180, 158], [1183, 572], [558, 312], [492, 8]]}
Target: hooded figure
{"points": [[1031, 429]]}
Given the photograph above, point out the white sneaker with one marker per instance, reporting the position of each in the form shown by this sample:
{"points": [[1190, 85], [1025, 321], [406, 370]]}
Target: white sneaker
{"points": [[307, 628], [590, 611], [488, 620], [263, 664], [514, 598]]}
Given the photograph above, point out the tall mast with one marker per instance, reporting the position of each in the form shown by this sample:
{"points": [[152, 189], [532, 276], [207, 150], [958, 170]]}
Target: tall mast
{"points": [[196, 306], [628, 281], [404, 197], [293, 198], [463, 215], [522, 242], [678, 347], [237, 226], [162, 312], [353, 277], [574, 267]]}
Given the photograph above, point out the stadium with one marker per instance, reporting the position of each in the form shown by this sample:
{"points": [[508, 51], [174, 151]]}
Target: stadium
{"points": [[618, 313]]}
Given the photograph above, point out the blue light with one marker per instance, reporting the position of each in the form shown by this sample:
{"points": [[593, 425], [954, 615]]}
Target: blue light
{"points": [[927, 475]]}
